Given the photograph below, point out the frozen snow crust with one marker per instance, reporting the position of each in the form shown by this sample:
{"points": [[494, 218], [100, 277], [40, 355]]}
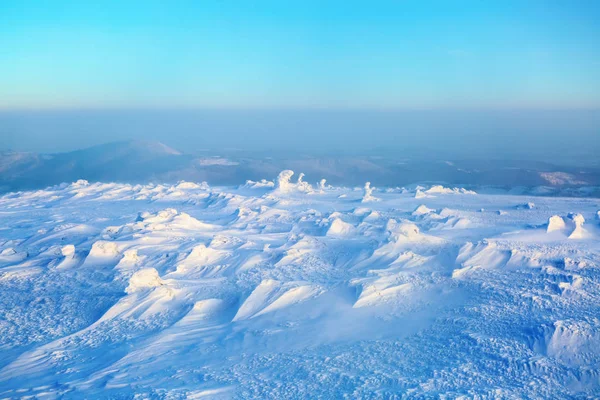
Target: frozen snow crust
{"points": [[285, 289]]}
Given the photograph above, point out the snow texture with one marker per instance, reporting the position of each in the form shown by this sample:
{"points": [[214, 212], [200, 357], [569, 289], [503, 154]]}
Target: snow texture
{"points": [[274, 289]]}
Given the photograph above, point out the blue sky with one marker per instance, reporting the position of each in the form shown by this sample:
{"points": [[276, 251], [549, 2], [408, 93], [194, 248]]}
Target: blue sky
{"points": [[300, 54]]}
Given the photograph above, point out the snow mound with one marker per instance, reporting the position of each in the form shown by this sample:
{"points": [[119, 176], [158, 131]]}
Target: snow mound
{"points": [[578, 232], [573, 341], [422, 210], [484, 254], [407, 229], [454, 222], [381, 291], [360, 211], [171, 219], [144, 279], [130, 257], [10, 255], [282, 183], [192, 185], [439, 189], [372, 216], [303, 186], [322, 186], [81, 183], [527, 206], [555, 223], [368, 193], [68, 250], [407, 233], [103, 250], [271, 295], [9, 251], [263, 183], [340, 228], [203, 261]]}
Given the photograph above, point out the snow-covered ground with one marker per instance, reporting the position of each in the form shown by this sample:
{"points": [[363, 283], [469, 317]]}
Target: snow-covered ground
{"points": [[282, 289]]}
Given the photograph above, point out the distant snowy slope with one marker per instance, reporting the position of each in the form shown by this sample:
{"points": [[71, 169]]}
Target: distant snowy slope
{"points": [[121, 161], [285, 288], [143, 162]]}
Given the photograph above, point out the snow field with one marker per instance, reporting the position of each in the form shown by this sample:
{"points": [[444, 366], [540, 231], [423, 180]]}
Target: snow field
{"points": [[282, 289]]}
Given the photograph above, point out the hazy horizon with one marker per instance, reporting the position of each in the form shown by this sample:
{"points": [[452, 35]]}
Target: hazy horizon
{"points": [[562, 137]]}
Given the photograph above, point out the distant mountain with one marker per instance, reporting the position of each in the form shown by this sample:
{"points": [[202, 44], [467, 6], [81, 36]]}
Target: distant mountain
{"points": [[141, 161], [122, 161]]}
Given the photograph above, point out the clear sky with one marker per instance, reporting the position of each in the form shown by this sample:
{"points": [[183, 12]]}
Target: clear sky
{"points": [[402, 54]]}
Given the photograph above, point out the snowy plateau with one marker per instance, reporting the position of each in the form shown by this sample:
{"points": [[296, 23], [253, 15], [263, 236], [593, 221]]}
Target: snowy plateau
{"points": [[285, 289]]}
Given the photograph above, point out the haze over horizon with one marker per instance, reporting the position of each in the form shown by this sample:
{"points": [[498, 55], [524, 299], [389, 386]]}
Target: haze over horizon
{"points": [[562, 137]]}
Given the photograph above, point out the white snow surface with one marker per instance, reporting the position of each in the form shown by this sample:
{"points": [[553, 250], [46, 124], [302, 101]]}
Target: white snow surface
{"points": [[276, 290], [555, 223]]}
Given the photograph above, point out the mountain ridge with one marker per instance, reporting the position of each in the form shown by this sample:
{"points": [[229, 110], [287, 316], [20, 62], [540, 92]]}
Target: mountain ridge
{"points": [[137, 161]]}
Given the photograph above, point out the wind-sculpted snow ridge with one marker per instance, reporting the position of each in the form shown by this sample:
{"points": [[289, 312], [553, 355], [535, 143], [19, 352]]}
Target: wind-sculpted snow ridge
{"points": [[282, 289]]}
